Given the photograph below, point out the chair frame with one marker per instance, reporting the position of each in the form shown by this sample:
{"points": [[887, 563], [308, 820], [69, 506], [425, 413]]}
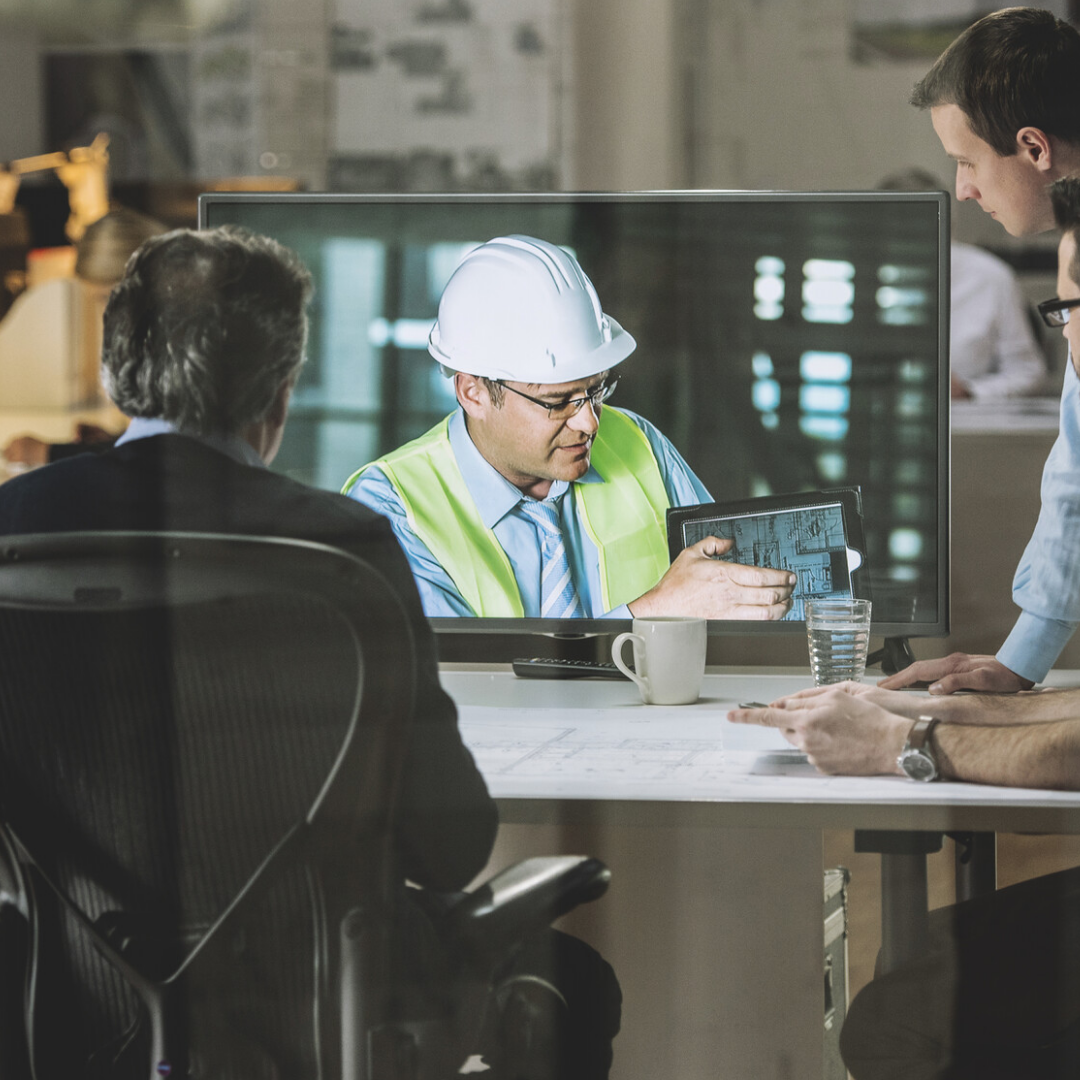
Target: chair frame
{"points": [[115, 571], [138, 571]]}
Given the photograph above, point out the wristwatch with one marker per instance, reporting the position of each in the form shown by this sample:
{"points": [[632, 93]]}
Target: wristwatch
{"points": [[917, 758]]}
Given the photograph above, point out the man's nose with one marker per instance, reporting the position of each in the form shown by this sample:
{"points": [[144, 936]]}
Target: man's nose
{"points": [[586, 419], [965, 189]]}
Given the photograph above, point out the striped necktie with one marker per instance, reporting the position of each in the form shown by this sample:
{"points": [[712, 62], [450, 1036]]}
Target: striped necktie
{"points": [[558, 597]]}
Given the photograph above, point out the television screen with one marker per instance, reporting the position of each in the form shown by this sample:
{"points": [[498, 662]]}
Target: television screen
{"points": [[786, 342]]}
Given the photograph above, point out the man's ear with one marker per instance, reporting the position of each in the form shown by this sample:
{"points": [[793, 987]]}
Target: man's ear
{"points": [[472, 395], [279, 409], [1036, 147]]}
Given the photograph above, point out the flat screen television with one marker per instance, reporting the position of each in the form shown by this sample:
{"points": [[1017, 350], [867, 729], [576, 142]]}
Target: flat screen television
{"points": [[786, 342]]}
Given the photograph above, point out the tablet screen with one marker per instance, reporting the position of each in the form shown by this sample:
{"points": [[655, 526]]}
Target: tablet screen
{"points": [[810, 540]]}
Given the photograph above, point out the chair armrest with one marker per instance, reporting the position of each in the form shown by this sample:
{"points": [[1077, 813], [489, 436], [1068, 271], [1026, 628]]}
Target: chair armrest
{"points": [[524, 898]]}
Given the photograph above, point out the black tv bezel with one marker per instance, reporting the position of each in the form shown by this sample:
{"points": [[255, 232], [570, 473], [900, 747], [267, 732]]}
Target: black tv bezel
{"points": [[572, 628]]}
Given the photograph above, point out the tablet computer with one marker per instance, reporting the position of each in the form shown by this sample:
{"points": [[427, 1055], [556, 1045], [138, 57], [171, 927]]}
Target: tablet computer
{"points": [[816, 534]]}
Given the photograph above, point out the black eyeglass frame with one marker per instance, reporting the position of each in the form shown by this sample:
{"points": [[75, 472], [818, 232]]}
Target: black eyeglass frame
{"points": [[570, 407], [1055, 312]]}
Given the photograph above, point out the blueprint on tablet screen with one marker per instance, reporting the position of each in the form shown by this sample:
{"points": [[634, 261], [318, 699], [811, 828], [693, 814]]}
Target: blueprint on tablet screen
{"points": [[808, 540]]}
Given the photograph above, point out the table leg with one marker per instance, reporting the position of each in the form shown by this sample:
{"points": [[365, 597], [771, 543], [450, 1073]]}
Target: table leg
{"points": [[976, 864], [904, 914], [903, 908]]}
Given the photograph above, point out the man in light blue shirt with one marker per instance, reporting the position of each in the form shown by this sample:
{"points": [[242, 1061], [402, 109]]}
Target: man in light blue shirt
{"points": [[499, 503], [994, 986], [1004, 99], [518, 504]]}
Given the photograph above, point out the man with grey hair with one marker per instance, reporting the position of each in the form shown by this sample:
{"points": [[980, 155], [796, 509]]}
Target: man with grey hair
{"points": [[204, 338]]}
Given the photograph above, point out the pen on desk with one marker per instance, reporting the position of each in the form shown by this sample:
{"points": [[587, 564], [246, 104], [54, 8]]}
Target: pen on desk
{"points": [[752, 705]]}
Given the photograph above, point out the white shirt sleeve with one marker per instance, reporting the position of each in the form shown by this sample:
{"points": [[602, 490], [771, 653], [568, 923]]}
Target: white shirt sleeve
{"points": [[993, 348]]}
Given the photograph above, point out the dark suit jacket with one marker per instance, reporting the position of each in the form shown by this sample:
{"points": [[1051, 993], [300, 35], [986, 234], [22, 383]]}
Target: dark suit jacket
{"points": [[446, 820]]}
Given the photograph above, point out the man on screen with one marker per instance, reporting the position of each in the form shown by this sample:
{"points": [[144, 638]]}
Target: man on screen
{"points": [[1004, 99], [480, 504]]}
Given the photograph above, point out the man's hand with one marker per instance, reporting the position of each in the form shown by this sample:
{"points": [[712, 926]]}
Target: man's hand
{"points": [[911, 706], [697, 584], [840, 731], [959, 671]]}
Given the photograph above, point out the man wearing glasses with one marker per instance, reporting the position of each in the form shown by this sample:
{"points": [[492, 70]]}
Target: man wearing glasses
{"points": [[995, 990], [1060, 312], [533, 499]]}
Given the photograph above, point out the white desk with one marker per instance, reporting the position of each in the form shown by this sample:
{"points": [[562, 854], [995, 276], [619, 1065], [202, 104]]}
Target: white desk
{"points": [[712, 831]]}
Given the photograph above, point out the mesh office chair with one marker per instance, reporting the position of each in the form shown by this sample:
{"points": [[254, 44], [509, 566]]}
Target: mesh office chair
{"points": [[200, 743]]}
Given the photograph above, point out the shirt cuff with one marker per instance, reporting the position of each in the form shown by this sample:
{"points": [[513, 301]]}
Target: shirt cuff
{"points": [[1033, 645], [621, 612]]}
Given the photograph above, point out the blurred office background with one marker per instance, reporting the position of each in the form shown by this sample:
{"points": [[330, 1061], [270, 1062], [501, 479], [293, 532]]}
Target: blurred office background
{"points": [[523, 95], [478, 95]]}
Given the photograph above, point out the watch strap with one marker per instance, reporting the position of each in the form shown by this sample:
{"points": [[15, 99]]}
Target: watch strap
{"points": [[919, 735], [918, 760]]}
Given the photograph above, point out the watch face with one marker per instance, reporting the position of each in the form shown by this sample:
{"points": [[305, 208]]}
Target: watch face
{"points": [[918, 765]]}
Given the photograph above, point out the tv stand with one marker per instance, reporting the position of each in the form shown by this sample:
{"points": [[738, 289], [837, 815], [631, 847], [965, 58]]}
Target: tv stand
{"points": [[894, 655]]}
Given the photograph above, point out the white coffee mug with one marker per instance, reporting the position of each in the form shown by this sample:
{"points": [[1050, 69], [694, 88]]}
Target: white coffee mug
{"points": [[669, 659]]}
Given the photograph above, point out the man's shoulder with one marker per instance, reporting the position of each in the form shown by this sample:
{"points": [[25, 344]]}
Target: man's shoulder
{"points": [[43, 499], [314, 500]]}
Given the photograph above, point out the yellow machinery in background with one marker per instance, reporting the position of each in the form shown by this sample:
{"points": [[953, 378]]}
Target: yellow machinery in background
{"points": [[50, 334], [83, 170]]}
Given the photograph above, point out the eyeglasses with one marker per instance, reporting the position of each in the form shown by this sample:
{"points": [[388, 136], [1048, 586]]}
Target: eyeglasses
{"points": [[563, 410], [1056, 312]]}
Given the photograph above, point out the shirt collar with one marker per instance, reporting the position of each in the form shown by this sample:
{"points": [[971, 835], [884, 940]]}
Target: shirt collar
{"points": [[493, 494], [232, 446]]}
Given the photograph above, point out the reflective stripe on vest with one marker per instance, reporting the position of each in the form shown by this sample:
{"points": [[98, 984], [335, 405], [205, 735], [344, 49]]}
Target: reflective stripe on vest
{"points": [[624, 516]]}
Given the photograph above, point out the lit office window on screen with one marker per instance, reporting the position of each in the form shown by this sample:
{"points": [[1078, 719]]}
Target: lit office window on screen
{"points": [[825, 395], [903, 295], [765, 390], [905, 546], [828, 291], [769, 287]]}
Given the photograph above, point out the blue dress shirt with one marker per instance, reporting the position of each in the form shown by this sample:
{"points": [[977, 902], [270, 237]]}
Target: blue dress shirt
{"points": [[498, 502], [232, 446], [1047, 582]]}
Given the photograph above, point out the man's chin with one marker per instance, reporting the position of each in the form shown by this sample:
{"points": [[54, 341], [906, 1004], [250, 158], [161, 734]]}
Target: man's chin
{"points": [[573, 470], [1028, 226]]}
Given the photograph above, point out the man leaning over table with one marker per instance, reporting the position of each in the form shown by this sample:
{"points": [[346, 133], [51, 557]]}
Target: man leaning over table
{"points": [[1000, 975], [534, 498], [1004, 99]]}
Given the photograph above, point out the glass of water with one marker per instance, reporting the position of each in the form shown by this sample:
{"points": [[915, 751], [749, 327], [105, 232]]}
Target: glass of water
{"points": [[838, 632]]}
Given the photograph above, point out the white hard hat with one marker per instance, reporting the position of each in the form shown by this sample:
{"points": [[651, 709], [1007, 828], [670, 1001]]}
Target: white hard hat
{"points": [[522, 309]]}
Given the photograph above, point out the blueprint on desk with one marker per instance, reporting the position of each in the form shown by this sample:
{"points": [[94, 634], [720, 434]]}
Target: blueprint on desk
{"points": [[678, 753], [582, 753]]}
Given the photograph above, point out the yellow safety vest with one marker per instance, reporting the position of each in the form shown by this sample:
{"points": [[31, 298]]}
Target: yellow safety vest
{"points": [[624, 516]]}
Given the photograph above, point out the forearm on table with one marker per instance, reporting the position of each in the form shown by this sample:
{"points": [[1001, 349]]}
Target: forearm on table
{"points": [[1046, 756], [996, 710]]}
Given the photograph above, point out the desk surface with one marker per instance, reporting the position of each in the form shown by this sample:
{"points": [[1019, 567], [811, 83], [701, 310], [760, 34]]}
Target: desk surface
{"points": [[591, 744], [1013, 416]]}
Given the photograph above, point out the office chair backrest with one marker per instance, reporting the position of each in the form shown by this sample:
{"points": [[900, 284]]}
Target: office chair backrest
{"points": [[194, 730]]}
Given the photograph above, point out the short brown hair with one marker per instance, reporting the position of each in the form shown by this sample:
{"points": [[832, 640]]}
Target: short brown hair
{"points": [[1015, 68]]}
